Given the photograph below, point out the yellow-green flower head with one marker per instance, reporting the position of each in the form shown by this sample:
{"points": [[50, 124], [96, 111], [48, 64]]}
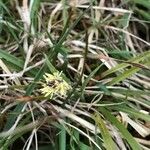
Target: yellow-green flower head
{"points": [[55, 85]]}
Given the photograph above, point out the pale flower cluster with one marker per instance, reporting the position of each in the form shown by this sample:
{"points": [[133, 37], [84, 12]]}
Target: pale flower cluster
{"points": [[54, 85]]}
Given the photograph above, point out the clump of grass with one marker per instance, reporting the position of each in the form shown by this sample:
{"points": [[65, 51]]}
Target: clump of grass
{"points": [[96, 94]]}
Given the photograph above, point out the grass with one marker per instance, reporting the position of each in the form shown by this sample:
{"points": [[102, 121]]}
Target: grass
{"points": [[103, 51]]}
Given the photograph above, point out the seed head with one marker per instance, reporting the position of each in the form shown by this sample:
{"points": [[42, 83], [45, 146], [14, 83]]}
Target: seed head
{"points": [[54, 85]]}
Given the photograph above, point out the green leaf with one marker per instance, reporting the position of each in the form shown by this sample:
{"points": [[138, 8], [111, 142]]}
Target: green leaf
{"points": [[36, 79], [137, 59], [12, 117], [15, 62], [88, 79], [145, 3], [50, 66], [144, 14], [124, 75], [120, 54], [34, 6], [62, 138], [132, 112], [84, 146], [126, 135], [12, 59], [104, 88], [68, 30], [108, 142]]}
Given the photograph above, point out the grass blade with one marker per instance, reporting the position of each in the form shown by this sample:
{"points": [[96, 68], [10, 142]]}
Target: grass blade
{"points": [[108, 142], [134, 145]]}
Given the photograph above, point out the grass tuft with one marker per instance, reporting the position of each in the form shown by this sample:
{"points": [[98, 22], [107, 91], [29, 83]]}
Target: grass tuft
{"points": [[96, 57]]}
